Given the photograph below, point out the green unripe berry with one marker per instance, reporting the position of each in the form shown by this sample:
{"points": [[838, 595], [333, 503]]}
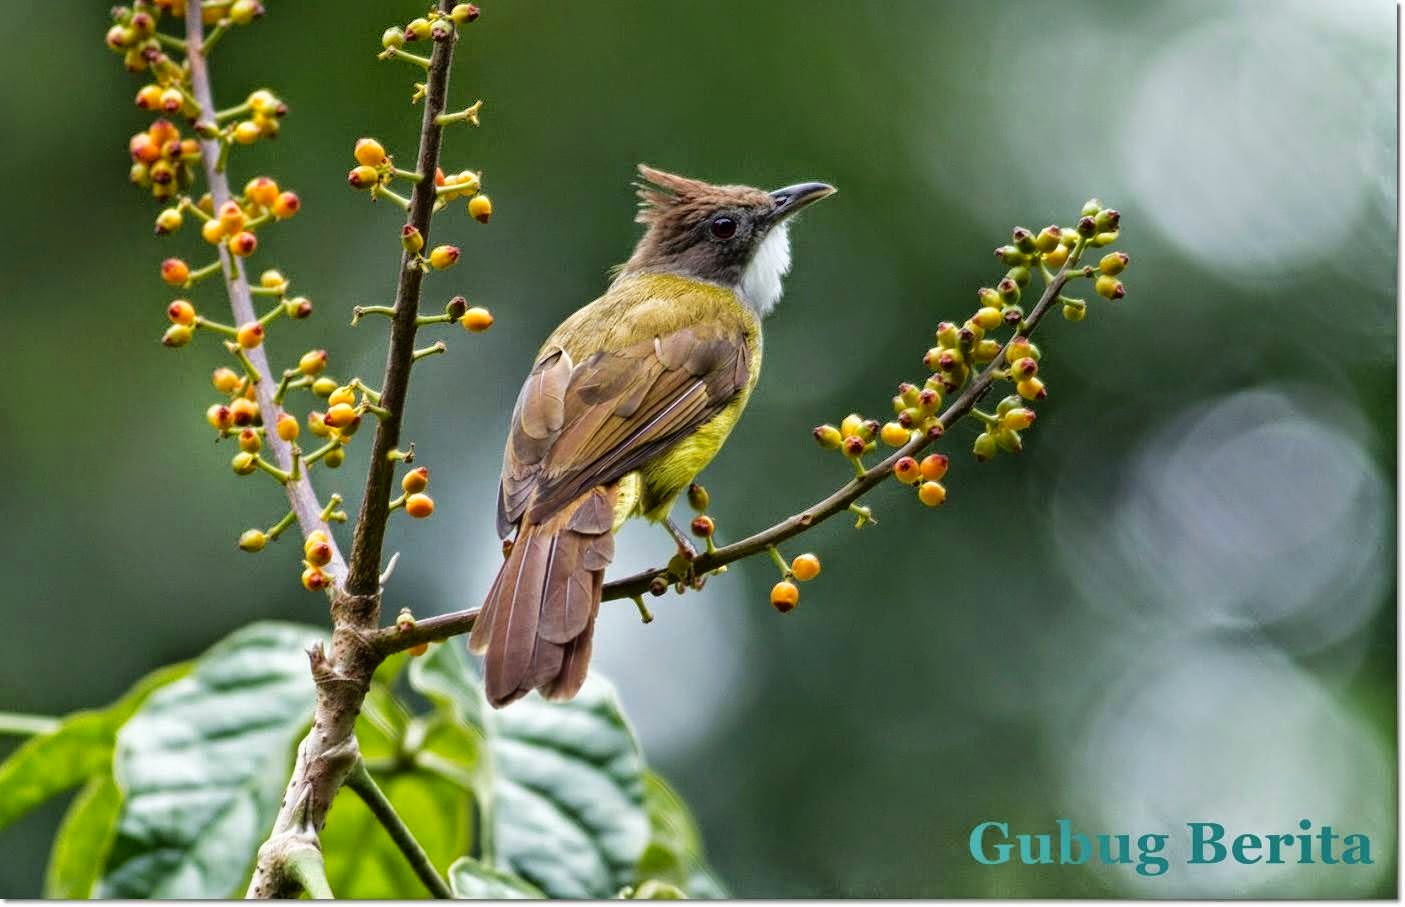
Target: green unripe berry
{"points": [[984, 448], [1074, 313], [1048, 239], [1109, 287], [1019, 275], [243, 463], [829, 437], [1113, 263], [698, 498], [1008, 440], [1090, 207]]}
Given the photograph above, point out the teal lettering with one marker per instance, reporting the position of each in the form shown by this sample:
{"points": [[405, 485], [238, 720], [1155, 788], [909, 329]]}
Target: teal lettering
{"points": [[977, 844], [1203, 835]]}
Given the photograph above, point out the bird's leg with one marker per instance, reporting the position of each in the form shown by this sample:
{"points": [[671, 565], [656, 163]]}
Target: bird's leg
{"points": [[685, 547]]}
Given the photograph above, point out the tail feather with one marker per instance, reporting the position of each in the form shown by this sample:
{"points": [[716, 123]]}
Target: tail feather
{"points": [[538, 620]]}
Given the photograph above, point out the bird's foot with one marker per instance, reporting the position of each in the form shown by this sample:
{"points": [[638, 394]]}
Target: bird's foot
{"points": [[685, 547]]}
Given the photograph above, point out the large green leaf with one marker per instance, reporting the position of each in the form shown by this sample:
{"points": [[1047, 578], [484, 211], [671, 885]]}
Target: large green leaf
{"points": [[567, 804], [80, 748], [84, 838], [202, 765], [675, 852], [473, 880]]}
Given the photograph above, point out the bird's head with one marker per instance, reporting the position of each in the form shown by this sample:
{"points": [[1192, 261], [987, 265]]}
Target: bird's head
{"points": [[735, 236]]}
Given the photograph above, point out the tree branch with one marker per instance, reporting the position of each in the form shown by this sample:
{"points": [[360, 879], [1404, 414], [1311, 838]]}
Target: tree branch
{"points": [[436, 629], [360, 780], [329, 753], [301, 495]]}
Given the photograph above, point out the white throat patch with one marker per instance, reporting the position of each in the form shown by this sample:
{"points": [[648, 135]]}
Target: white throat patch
{"points": [[761, 282]]}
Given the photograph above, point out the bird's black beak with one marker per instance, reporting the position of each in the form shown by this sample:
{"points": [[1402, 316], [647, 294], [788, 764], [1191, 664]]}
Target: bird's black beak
{"points": [[792, 198]]}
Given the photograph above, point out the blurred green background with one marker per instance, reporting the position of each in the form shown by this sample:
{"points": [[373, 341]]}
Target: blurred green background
{"points": [[1176, 604]]}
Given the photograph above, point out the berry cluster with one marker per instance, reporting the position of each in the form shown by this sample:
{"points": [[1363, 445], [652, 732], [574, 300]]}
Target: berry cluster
{"points": [[962, 349]]}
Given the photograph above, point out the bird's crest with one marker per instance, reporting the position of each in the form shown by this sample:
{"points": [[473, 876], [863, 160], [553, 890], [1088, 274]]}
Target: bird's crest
{"points": [[665, 195]]}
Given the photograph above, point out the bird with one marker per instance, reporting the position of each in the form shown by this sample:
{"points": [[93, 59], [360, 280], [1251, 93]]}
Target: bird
{"points": [[626, 402]]}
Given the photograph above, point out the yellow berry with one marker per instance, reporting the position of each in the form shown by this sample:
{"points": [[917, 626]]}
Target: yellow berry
{"points": [[419, 506], [988, 317], [894, 435], [416, 480], [249, 441], [225, 380], [1017, 419], [411, 238], [1075, 313], [1109, 287], [212, 231], [313, 362], [168, 221], [477, 320], [805, 567], [828, 437], [273, 279], [931, 493], [1032, 389], [784, 596], [323, 387], [339, 415], [369, 153], [219, 416], [287, 427], [343, 394], [1056, 258], [362, 177], [177, 335], [317, 424], [243, 463], [250, 335], [480, 208], [252, 540], [246, 132], [1113, 263], [286, 205], [334, 458], [1023, 368], [441, 257], [318, 550], [242, 12], [243, 411]]}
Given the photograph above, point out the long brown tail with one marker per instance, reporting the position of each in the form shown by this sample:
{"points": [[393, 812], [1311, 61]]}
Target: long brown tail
{"points": [[538, 620]]}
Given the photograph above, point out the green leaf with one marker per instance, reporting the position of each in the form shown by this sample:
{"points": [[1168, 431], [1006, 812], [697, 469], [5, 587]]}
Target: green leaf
{"points": [[654, 890], [567, 800], [675, 851], [473, 880], [362, 860], [80, 748], [84, 838], [202, 765]]}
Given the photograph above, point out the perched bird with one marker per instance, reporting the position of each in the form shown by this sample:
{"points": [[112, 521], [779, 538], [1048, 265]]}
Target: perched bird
{"points": [[628, 400]]}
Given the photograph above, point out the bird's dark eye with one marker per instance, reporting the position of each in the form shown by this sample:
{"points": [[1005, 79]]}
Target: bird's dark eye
{"points": [[723, 227]]}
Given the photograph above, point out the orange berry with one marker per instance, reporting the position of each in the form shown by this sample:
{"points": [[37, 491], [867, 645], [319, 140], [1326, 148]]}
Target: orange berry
{"points": [[477, 320], [906, 470], [171, 100], [784, 596], [931, 493], [419, 506], [243, 243], [181, 312], [318, 551], [417, 651], [250, 335], [369, 153], [149, 97], [805, 567], [287, 427], [934, 467], [286, 205], [143, 148], [261, 191], [416, 480], [314, 580], [231, 217], [175, 272], [703, 526]]}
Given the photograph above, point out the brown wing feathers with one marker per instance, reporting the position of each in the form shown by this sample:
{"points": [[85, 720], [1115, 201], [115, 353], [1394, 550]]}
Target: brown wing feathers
{"points": [[576, 431]]}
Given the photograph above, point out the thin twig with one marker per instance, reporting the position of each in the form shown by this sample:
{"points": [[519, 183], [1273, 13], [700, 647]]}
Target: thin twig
{"points": [[329, 753], [360, 780], [16, 725], [435, 629], [301, 495]]}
